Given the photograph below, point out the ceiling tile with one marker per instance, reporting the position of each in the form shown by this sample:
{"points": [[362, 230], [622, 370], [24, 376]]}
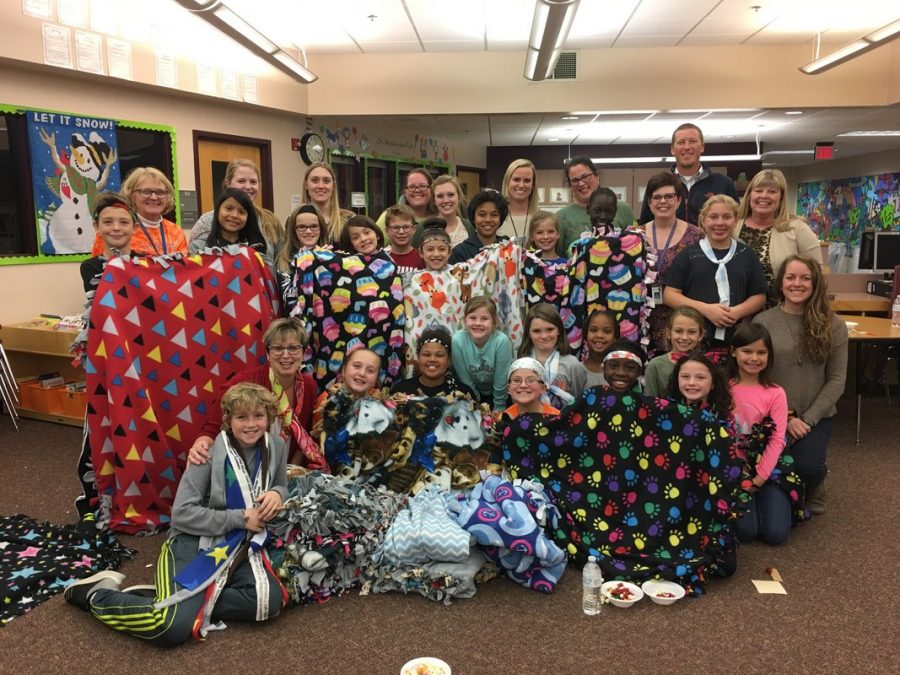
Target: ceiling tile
{"points": [[453, 45]]}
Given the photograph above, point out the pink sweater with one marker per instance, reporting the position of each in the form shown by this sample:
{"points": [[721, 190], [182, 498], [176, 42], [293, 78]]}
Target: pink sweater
{"points": [[753, 402]]}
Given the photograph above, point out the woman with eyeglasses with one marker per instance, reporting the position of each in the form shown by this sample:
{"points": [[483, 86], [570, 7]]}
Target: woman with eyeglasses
{"points": [[581, 175], [242, 174], [666, 236], [285, 343], [416, 195], [152, 195]]}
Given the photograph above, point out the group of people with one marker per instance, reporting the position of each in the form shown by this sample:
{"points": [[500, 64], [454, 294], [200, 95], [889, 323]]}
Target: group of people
{"points": [[739, 325]]}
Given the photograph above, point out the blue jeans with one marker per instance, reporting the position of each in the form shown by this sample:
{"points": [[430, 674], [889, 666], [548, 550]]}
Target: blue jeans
{"points": [[810, 453], [768, 517]]}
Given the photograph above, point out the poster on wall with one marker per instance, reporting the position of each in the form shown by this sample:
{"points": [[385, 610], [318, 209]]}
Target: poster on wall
{"points": [[839, 210], [73, 158]]}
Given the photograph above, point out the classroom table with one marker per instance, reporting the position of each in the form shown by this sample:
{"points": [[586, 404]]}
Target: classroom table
{"points": [[859, 302], [869, 330]]}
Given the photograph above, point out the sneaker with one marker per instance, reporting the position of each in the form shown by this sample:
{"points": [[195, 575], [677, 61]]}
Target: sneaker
{"points": [[815, 499], [145, 590], [80, 592]]}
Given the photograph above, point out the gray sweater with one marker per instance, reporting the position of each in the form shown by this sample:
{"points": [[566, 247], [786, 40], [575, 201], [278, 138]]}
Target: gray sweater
{"points": [[812, 389], [657, 375], [199, 507]]}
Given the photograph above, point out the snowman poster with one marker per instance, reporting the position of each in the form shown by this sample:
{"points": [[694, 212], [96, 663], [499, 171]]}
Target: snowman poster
{"points": [[73, 158]]}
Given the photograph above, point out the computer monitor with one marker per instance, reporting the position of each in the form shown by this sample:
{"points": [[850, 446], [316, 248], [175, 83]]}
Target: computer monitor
{"points": [[886, 251]]}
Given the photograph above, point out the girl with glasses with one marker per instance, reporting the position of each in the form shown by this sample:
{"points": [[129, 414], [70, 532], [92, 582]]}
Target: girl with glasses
{"points": [[304, 229]]}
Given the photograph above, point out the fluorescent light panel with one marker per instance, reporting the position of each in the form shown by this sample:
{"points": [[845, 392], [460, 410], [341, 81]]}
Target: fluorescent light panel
{"points": [[853, 49], [549, 29], [863, 134], [671, 160]]}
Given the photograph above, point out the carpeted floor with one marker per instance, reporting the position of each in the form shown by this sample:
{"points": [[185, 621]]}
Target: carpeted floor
{"points": [[840, 615]]}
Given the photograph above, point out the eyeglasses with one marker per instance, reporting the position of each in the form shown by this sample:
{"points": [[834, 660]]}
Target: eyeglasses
{"points": [[306, 228], [278, 350], [668, 197], [400, 228], [422, 187], [527, 381], [584, 178], [147, 192]]}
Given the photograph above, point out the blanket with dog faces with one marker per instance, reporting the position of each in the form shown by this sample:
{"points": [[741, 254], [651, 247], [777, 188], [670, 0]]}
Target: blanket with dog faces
{"points": [[347, 301], [644, 484], [163, 334]]}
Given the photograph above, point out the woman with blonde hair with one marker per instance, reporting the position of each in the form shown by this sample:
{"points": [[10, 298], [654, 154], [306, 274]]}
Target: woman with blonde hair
{"points": [[448, 198], [521, 196], [765, 225], [320, 190], [810, 348], [242, 174], [152, 195]]}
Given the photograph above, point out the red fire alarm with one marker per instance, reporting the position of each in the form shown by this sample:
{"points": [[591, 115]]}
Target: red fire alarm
{"points": [[824, 151], [295, 144]]}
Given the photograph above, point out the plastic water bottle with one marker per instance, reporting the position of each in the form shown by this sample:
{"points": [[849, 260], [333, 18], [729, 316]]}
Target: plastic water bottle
{"points": [[591, 580], [895, 313]]}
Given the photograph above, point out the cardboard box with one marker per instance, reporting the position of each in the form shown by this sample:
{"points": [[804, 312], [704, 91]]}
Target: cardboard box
{"points": [[37, 337]]}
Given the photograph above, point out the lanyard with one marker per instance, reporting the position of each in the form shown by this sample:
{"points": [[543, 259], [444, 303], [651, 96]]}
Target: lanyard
{"points": [[662, 256], [162, 237]]}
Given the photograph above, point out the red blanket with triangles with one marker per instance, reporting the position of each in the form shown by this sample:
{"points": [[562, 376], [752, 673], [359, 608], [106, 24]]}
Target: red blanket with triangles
{"points": [[162, 335]]}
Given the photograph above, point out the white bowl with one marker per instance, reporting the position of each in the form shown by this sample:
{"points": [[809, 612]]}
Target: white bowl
{"points": [[653, 588], [635, 590], [425, 665], [851, 324]]}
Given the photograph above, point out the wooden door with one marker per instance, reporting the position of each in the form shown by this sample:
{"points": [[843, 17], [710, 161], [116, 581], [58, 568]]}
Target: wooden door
{"points": [[213, 152], [470, 182]]}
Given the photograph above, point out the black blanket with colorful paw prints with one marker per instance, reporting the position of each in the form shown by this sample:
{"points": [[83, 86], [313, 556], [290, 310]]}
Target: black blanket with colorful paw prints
{"points": [[645, 484]]}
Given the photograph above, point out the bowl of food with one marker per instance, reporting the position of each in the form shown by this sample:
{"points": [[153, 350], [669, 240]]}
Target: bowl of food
{"points": [[662, 592], [621, 593], [851, 325], [425, 665]]}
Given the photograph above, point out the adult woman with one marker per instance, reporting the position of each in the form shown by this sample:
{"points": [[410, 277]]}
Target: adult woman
{"points": [[416, 195], [581, 175], [304, 228], [285, 341], [448, 201], [521, 196], [320, 190], [766, 227], [667, 236], [234, 222], [719, 277], [152, 195], [810, 346], [242, 174]]}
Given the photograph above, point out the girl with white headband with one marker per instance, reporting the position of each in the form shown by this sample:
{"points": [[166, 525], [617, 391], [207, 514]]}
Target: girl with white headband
{"points": [[527, 385]]}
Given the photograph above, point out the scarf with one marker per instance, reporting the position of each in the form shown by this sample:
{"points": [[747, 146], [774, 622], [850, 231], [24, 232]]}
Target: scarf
{"points": [[551, 368], [722, 285], [311, 456], [208, 572]]}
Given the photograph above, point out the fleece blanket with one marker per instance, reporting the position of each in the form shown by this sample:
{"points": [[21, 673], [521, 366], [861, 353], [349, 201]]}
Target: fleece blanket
{"points": [[646, 485], [163, 334], [349, 301]]}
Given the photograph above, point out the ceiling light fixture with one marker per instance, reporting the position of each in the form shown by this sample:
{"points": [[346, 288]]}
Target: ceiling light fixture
{"points": [[853, 49], [220, 16], [670, 160], [870, 134], [794, 112], [569, 117], [549, 30]]}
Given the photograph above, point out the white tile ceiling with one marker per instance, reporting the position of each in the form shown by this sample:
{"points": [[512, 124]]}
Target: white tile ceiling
{"points": [[417, 26]]}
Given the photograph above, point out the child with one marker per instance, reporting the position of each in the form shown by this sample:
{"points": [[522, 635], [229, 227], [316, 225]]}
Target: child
{"points": [[114, 222], [756, 397], [481, 353], [601, 210], [435, 249], [486, 211], [623, 363], [720, 277], [683, 333], [697, 381], [361, 235], [304, 229], [401, 225], [358, 376], [235, 222], [213, 567], [527, 385], [435, 375], [600, 330], [545, 341], [543, 236]]}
